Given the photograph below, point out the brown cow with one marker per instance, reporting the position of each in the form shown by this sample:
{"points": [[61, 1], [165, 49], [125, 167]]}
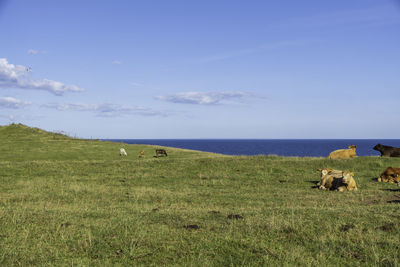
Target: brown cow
{"points": [[390, 175], [344, 183], [344, 153], [330, 171], [348, 181], [387, 151]]}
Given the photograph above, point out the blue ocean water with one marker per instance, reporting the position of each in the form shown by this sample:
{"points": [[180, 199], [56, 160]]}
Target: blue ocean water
{"points": [[281, 147]]}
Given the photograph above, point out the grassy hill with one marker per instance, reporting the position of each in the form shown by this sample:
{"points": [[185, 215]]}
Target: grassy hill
{"points": [[67, 201], [21, 143]]}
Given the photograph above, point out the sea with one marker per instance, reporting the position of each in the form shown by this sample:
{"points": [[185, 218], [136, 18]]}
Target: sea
{"points": [[280, 147]]}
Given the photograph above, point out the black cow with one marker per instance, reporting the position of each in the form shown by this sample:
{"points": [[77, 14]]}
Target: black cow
{"points": [[387, 151], [161, 152]]}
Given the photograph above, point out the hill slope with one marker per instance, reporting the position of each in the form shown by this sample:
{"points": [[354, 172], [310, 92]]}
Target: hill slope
{"points": [[19, 142], [66, 201]]}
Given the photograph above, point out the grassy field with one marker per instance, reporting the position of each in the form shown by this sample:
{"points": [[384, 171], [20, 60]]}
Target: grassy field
{"points": [[74, 202]]}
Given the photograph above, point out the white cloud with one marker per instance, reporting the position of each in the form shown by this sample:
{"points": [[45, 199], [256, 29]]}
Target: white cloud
{"points": [[32, 52], [17, 76], [203, 98], [106, 109], [116, 62], [35, 52], [20, 117], [11, 102], [136, 84]]}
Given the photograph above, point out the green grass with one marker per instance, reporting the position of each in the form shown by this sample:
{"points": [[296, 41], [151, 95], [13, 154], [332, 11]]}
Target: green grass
{"points": [[66, 201]]}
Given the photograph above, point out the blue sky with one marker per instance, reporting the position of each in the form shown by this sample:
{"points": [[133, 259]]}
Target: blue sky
{"points": [[202, 69]]}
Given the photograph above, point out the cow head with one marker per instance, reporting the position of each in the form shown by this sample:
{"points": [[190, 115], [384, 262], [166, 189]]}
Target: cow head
{"points": [[347, 176], [378, 147], [324, 171]]}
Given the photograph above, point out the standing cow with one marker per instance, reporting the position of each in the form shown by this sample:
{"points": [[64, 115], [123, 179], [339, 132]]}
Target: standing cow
{"points": [[387, 151]]}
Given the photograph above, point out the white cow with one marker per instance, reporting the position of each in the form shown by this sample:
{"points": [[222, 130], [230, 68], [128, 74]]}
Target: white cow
{"points": [[122, 152]]}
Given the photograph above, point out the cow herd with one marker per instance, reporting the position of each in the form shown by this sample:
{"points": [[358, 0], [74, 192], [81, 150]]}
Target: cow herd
{"points": [[386, 151], [341, 181], [331, 179], [159, 152]]}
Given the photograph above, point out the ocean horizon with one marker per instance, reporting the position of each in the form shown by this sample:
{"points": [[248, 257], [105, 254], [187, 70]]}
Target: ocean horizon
{"points": [[280, 147]]}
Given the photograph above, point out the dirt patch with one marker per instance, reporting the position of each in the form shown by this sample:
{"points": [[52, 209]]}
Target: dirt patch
{"points": [[288, 230], [355, 255], [66, 224], [393, 199], [387, 227], [155, 210], [262, 251], [384, 199], [391, 190], [372, 201], [191, 227], [235, 216], [346, 227]]}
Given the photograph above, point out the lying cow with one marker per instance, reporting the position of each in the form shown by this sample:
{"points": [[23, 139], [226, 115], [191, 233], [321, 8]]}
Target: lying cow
{"points": [[390, 175], [348, 181], [332, 172], [387, 151], [344, 153], [341, 184], [161, 152], [122, 152]]}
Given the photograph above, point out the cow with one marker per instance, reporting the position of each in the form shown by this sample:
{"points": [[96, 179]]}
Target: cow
{"points": [[161, 152], [387, 151], [344, 153], [390, 175], [341, 184], [348, 181], [329, 182], [330, 171], [122, 152]]}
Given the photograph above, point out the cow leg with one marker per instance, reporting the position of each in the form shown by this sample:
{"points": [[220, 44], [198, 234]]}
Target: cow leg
{"points": [[341, 189]]}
